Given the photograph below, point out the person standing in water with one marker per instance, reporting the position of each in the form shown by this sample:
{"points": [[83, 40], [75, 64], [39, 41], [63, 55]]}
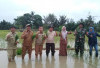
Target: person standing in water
{"points": [[50, 45], [80, 33], [12, 40], [40, 39], [92, 40], [63, 42], [27, 41]]}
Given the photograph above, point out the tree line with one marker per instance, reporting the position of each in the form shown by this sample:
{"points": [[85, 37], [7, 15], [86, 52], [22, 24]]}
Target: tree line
{"points": [[36, 20]]}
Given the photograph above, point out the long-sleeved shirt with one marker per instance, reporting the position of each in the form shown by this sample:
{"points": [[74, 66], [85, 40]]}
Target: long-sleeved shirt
{"points": [[92, 40], [27, 39], [11, 40]]}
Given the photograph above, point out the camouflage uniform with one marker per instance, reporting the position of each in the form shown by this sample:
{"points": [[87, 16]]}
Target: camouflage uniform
{"points": [[79, 40]]}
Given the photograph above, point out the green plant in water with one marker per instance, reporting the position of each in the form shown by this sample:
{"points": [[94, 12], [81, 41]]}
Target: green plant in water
{"points": [[68, 46], [19, 51], [46, 32], [43, 38], [33, 36], [16, 37]]}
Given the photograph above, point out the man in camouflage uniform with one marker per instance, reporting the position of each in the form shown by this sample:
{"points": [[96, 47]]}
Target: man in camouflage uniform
{"points": [[80, 33]]}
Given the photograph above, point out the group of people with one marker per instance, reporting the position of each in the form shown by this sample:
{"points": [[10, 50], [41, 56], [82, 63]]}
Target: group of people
{"points": [[41, 38]]}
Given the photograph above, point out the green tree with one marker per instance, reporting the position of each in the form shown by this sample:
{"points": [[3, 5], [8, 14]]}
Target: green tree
{"points": [[37, 21], [71, 25], [28, 18], [50, 19], [21, 21], [62, 20], [4, 25]]}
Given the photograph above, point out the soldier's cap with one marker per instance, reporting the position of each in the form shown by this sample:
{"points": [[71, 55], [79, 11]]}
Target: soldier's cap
{"points": [[28, 25], [13, 27], [51, 26], [81, 24]]}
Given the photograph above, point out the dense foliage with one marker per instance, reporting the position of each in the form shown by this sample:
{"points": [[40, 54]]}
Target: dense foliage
{"points": [[36, 20]]}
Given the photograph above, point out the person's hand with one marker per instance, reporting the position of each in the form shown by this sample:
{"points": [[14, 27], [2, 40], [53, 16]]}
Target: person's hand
{"points": [[26, 34], [70, 32], [75, 32], [38, 32], [87, 33], [56, 33], [91, 36], [16, 42], [8, 36]]}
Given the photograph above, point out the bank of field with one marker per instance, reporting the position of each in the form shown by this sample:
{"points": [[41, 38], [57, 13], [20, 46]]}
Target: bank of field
{"points": [[4, 32], [70, 37]]}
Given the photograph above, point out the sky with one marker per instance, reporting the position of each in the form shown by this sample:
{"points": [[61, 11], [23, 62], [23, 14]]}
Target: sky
{"points": [[75, 9]]}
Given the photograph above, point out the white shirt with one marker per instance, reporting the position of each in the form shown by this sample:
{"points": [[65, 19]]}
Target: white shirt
{"points": [[50, 38], [64, 34]]}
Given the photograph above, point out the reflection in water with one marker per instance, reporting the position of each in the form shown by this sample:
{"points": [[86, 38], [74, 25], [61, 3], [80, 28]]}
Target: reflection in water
{"points": [[27, 64], [11, 64], [53, 62], [62, 61], [94, 62], [38, 64], [78, 63], [70, 61], [50, 62]]}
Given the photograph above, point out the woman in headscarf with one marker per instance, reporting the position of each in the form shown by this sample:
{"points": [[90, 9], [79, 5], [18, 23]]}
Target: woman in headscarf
{"points": [[92, 40], [63, 42]]}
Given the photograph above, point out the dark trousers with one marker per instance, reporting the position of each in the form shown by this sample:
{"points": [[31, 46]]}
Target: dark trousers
{"points": [[50, 46], [79, 46]]}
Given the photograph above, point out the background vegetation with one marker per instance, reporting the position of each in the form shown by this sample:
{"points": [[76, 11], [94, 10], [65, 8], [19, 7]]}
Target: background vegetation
{"points": [[36, 20]]}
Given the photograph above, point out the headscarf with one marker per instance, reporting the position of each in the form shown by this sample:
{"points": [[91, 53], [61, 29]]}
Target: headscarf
{"points": [[92, 30], [64, 33]]}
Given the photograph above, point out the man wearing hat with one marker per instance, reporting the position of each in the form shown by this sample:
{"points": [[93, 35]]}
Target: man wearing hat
{"points": [[50, 45], [12, 40], [80, 33], [27, 41]]}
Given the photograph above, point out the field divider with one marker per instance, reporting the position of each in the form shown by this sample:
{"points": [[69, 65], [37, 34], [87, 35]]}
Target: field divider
{"points": [[43, 49]]}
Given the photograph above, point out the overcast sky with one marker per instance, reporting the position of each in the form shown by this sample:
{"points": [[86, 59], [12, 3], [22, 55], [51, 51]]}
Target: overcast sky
{"points": [[76, 9]]}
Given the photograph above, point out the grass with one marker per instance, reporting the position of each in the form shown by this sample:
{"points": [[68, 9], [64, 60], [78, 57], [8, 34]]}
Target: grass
{"points": [[19, 51], [71, 37]]}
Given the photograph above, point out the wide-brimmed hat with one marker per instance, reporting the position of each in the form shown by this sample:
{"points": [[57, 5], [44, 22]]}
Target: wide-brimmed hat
{"points": [[28, 25]]}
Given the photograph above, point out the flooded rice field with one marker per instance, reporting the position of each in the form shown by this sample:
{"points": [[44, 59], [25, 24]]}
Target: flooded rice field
{"points": [[3, 44], [70, 61]]}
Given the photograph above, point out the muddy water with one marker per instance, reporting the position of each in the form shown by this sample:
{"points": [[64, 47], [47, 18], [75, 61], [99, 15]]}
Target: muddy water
{"points": [[71, 43], [71, 61]]}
